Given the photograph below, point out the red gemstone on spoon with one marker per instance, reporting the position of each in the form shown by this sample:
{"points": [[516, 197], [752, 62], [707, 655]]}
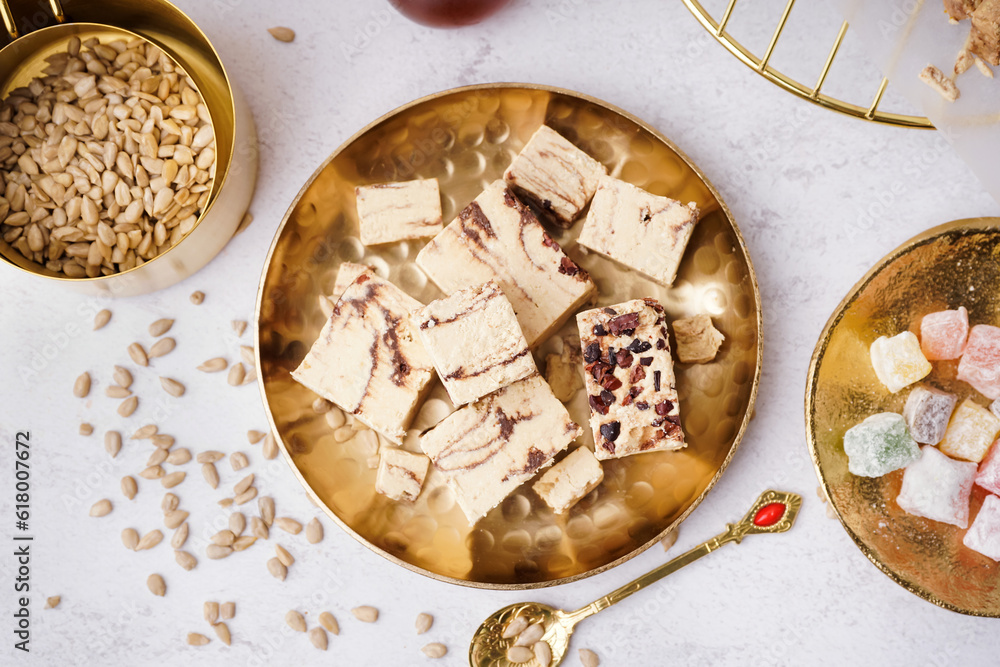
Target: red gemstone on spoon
{"points": [[768, 515]]}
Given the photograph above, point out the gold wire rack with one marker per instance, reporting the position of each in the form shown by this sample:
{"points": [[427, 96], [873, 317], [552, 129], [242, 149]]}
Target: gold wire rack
{"points": [[761, 65]]}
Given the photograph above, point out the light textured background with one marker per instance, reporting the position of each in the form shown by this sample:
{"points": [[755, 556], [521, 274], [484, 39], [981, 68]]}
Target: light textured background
{"points": [[818, 196]]}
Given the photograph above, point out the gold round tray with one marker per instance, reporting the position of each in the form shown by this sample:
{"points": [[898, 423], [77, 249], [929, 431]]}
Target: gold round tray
{"points": [[945, 267], [465, 138]]}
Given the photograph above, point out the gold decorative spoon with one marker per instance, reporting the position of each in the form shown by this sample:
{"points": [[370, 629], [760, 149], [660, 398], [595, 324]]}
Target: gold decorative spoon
{"points": [[773, 512]]}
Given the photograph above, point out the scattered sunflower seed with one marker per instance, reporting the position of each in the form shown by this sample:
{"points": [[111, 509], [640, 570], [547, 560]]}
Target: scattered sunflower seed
{"points": [[178, 456], [217, 551], [669, 539], [250, 377], [254, 436], [236, 373], [314, 531], [172, 387], [123, 377], [197, 639], [226, 502], [147, 431], [197, 298], [163, 441], [82, 386], [149, 540], [185, 559], [239, 326], [530, 635], [160, 327], [424, 623], [435, 650], [129, 487], [128, 406], [173, 479], [270, 447], [101, 319], [138, 354], [266, 506], [246, 496], [100, 508], [157, 457], [156, 585], [170, 503], [288, 525], [209, 456], [210, 474], [335, 418], [318, 638], [224, 538], [286, 558], [237, 523], [227, 610], [282, 34], [213, 365], [243, 542], [246, 354], [327, 620], [152, 472], [222, 632], [210, 610], [53, 602], [243, 484], [174, 518], [258, 528], [519, 654], [162, 347], [86, 429], [588, 658], [365, 614], [277, 569], [238, 461], [295, 621], [321, 406], [130, 538], [117, 391], [180, 536], [112, 443], [514, 627]]}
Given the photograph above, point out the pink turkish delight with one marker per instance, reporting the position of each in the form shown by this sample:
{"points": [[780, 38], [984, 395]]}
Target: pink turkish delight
{"points": [[937, 488], [980, 364], [943, 334], [984, 534], [988, 476]]}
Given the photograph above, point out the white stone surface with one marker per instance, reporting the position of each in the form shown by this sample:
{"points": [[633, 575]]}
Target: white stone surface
{"points": [[820, 197]]}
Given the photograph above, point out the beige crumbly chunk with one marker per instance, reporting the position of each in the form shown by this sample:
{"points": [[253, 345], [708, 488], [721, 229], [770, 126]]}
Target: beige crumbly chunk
{"points": [[390, 212], [960, 9], [964, 61], [983, 68], [347, 274], [639, 229], [565, 483], [984, 38], [936, 79], [400, 474], [475, 342], [496, 237], [562, 371], [368, 358], [554, 176], [698, 341], [633, 396], [487, 449]]}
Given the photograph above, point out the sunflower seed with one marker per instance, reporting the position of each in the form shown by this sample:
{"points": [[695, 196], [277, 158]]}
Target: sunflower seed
{"points": [[314, 531], [180, 536], [172, 387], [254, 436], [238, 461], [288, 525], [515, 627], [122, 377], [239, 326], [82, 386], [243, 484], [178, 456], [210, 610], [213, 365], [435, 650], [174, 518], [147, 431], [86, 429], [222, 632], [295, 621], [156, 585], [270, 447], [258, 528], [196, 639], [266, 507], [318, 638], [152, 472], [228, 610], [519, 654], [129, 487], [217, 551], [138, 354], [156, 458], [224, 538], [112, 443], [282, 34], [327, 620], [247, 355], [321, 406], [669, 539], [235, 375], [365, 614], [588, 658], [130, 538], [160, 327], [185, 559], [243, 542], [101, 508], [101, 319], [197, 298], [424, 623], [246, 496], [163, 441], [209, 456], [173, 479], [116, 391], [237, 523], [149, 540], [169, 503], [530, 635], [128, 406], [286, 558], [210, 474], [335, 418], [162, 347], [226, 502], [277, 569]]}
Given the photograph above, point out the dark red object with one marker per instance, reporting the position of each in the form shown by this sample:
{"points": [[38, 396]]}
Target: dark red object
{"points": [[768, 515], [447, 13]]}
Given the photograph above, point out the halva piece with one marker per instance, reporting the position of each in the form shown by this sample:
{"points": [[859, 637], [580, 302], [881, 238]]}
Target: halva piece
{"points": [[390, 212], [571, 479], [400, 474], [697, 340]]}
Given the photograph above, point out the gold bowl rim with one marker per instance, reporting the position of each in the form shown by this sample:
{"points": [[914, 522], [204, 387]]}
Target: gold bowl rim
{"points": [[217, 183], [971, 225], [738, 438]]}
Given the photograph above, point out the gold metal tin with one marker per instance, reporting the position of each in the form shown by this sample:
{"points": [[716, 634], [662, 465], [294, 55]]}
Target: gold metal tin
{"points": [[236, 138], [952, 265], [465, 138]]}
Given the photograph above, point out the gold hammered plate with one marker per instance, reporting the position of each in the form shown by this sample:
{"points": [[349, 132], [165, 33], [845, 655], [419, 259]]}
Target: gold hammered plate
{"points": [[465, 138], [956, 264]]}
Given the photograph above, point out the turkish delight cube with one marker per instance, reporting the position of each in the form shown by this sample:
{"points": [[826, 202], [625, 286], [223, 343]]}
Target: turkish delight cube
{"points": [[943, 334], [927, 413], [970, 432], [937, 488], [988, 476], [984, 533], [898, 361], [879, 445], [980, 364]]}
